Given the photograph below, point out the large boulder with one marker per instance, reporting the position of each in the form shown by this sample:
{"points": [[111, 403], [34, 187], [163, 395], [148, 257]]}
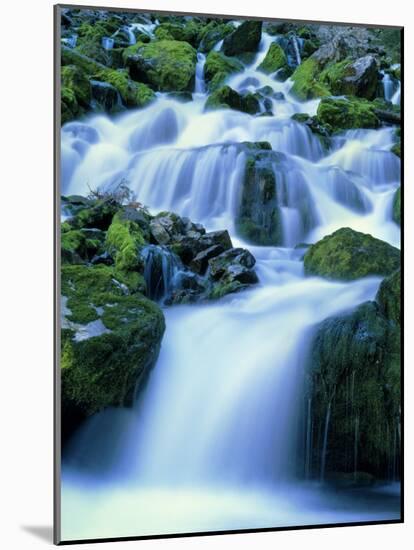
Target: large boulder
{"points": [[218, 67], [81, 245], [347, 254], [166, 65], [246, 38], [348, 112], [275, 59], [358, 78], [354, 396], [227, 98], [110, 339]]}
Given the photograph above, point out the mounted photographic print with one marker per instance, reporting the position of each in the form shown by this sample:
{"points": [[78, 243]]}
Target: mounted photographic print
{"points": [[228, 320]]}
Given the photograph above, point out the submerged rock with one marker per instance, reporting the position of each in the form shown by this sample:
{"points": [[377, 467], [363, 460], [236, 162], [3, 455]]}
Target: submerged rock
{"points": [[347, 254]]}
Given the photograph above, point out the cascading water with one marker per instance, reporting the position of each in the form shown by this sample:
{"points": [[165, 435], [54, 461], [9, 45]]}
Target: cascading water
{"points": [[211, 441]]}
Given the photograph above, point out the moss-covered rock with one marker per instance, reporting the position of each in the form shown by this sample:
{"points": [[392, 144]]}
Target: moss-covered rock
{"points": [[246, 38], [347, 254], [306, 83], [227, 98], [189, 31], [218, 67], [212, 33], [80, 245], [166, 65], [396, 207], [259, 218], [275, 59], [124, 240], [389, 297], [93, 214], [133, 94], [110, 339], [74, 78], [346, 113], [348, 77], [355, 361]]}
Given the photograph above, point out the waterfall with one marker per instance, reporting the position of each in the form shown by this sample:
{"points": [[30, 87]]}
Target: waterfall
{"points": [[211, 442], [107, 43], [200, 85], [162, 272], [296, 47]]}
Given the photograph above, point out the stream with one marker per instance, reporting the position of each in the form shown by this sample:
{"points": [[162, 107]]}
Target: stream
{"points": [[211, 443]]}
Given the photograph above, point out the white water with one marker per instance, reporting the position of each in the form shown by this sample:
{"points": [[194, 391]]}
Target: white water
{"points": [[211, 443]]}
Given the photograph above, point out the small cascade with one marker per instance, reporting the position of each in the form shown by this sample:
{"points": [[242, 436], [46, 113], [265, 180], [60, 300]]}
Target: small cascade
{"points": [[396, 98], [163, 272], [388, 85], [297, 46], [356, 441], [200, 85], [325, 442], [131, 36], [70, 41], [107, 43]]}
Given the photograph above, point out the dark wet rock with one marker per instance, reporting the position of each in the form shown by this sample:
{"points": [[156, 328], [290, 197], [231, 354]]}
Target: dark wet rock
{"points": [[246, 38], [355, 360]]}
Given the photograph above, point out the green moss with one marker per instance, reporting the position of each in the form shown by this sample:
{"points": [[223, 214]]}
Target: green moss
{"points": [[306, 84], [123, 241], [166, 65], [348, 254], [133, 94], [78, 246], [212, 33], [347, 113], [68, 105], [227, 98], [96, 214], [275, 59], [396, 207], [104, 370], [332, 75], [218, 67], [73, 77], [187, 32]]}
